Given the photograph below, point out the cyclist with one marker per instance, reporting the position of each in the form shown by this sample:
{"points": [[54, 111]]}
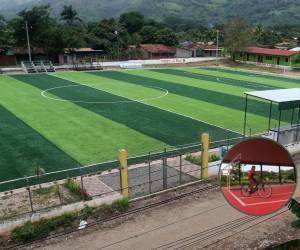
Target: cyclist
{"points": [[251, 179]]}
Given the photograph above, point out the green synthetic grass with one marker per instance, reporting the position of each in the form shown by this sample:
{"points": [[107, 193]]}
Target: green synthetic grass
{"points": [[197, 109], [62, 134], [151, 121], [197, 93], [81, 134], [256, 75], [272, 81], [221, 80], [21, 145]]}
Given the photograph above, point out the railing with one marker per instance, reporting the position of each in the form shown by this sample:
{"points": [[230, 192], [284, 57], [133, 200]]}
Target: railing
{"points": [[147, 174]]}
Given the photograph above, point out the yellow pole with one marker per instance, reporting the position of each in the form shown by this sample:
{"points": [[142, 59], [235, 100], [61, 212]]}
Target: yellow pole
{"points": [[204, 155], [123, 172]]}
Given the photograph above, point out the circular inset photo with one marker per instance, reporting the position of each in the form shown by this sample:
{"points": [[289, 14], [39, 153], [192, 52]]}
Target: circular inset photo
{"points": [[258, 176]]}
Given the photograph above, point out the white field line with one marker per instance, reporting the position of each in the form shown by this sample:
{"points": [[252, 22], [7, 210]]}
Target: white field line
{"points": [[195, 119], [256, 72], [257, 196], [237, 198], [266, 202], [43, 93], [256, 203]]}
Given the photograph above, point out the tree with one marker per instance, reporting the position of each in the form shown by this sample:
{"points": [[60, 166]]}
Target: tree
{"points": [[166, 36], [270, 37], [238, 35], [39, 24], [69, 15], [108, 35], [5, 33], [64, 36], [133, 21], [149, 34]]}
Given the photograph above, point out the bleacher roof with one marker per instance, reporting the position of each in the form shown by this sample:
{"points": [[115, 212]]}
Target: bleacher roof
{"points": [[286, 98]]}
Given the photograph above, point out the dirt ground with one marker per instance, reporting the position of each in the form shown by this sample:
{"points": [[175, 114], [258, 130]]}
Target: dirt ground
{"points": [[200, 221]]}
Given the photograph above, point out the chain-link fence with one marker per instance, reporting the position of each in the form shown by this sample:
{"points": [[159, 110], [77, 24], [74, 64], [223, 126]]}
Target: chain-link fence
{"points": [[147, 174]]}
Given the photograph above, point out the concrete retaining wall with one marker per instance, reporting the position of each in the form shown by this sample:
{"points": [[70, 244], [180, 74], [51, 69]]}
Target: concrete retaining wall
{"points": [[8, 225]]}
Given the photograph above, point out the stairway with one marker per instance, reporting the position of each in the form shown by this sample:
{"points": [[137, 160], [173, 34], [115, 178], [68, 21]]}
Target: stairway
{"points": [[37, 67]]}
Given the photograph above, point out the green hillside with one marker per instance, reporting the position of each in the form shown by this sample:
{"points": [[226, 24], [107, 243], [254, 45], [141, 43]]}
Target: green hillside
{"points": [[268, 12]]}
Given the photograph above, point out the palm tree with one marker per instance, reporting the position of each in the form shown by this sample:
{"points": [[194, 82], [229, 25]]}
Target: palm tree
{"points": [[69, 15], [259, 31]]}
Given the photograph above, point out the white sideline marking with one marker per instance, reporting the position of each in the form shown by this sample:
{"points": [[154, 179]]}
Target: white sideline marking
{"points": [[262, 73], [256, 196], [43, 93], [237, 198], [254, 204], [267, 202], [195, 119]]}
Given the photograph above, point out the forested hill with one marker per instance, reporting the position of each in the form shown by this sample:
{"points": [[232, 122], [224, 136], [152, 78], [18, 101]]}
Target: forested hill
{"points": [[205, 12]]}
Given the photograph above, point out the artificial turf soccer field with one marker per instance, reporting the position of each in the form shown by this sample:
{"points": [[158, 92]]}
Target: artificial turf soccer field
{"points": [[66, 119]]}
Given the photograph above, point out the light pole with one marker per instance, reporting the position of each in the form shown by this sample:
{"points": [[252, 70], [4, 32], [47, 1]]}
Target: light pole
{"points": [[28, 41], [118, 53]]}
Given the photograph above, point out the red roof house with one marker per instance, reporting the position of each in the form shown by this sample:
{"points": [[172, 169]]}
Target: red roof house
{"points": [[157, 51]]}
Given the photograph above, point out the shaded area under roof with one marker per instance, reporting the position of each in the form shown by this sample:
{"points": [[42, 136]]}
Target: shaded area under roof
{"points": [[259, 151], [286, 98]]}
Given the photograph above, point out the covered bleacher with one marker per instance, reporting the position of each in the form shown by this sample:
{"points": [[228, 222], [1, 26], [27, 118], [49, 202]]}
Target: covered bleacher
{"points": [[286, 99]]}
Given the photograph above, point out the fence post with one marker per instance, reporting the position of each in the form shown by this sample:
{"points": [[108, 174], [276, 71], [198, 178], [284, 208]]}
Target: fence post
{"points": [[58, 193], [123, 172], [149, 172], [29, 193], [81, 183], [204, 155], [180, 169], [165, 174]]}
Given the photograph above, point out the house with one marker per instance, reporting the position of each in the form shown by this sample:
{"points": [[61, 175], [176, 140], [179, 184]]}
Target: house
{"points": [[10, 56], [72, 55], [5, 58], [157, 51], [269, 57], [204, 50], [183, 53]]}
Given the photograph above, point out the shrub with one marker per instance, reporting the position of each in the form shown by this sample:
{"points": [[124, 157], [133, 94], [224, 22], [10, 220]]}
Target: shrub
{"points": [[24, 233], [72, 186], [121, 205], [193, 159], [33, 231], [213, 158], [206, 179], [197, 159]]}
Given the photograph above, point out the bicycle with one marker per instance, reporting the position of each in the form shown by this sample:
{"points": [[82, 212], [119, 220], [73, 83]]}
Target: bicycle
{"points": [[264, 190]]}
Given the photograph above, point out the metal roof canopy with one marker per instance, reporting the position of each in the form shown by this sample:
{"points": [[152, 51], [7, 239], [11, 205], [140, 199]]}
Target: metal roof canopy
{"points": [[286, 98]]}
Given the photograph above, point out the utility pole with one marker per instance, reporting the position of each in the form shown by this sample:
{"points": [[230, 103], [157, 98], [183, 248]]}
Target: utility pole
{"points": [[28, 41], [118, 49], [217, 52]]}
